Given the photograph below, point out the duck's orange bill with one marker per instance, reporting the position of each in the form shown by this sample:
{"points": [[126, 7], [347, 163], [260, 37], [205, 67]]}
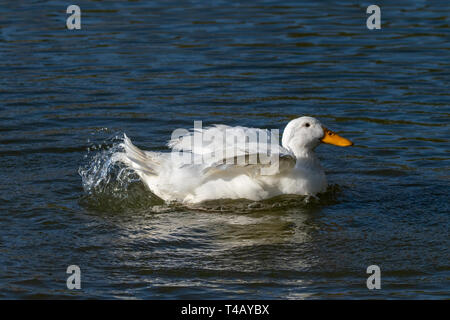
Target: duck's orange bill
{"points": [[333, 138]]}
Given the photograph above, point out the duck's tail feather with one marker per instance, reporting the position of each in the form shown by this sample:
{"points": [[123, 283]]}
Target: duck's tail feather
{"points": [[141, 161]]}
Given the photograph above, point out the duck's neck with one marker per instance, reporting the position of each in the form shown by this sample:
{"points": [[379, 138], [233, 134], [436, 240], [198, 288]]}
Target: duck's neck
{"points": [[302, 152], [307, 158]]}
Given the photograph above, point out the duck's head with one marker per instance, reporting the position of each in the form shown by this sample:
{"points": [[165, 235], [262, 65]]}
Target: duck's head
{"points": [[304, 134]]}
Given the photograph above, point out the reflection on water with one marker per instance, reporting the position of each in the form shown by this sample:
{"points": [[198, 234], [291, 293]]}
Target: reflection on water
{"points": [[146, 68]]}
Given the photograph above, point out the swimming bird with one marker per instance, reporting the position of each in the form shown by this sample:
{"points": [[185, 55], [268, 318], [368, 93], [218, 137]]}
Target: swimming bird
{"points": [[223, 162]]}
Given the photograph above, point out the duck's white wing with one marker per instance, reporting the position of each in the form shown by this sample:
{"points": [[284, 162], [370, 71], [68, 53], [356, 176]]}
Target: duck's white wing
{"points": [[272, 165], [235, 150]]}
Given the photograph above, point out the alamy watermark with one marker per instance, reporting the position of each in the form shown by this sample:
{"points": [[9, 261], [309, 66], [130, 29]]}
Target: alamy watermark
{"points": [[374, 20], [227, 146], [74, 20], [74, 280]]}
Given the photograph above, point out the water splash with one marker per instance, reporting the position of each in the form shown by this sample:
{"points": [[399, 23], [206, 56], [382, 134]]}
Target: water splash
{"points": [[102, 172], [109, 184]]}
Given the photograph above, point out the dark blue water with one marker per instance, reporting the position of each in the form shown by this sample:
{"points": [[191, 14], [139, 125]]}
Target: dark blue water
{"points": [[146, 68]]}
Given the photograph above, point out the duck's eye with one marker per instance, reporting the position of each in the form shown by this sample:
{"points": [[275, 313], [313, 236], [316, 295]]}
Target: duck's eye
{"points": [[307, 124]]}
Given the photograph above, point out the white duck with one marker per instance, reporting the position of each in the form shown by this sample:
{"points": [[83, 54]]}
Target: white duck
{"points": [[193, 173]]}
